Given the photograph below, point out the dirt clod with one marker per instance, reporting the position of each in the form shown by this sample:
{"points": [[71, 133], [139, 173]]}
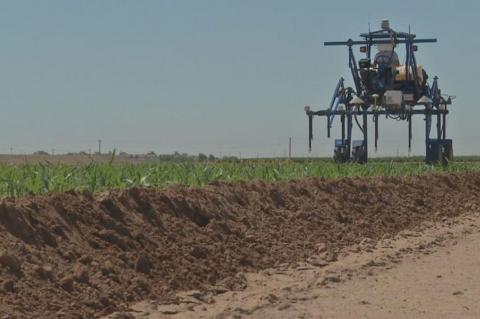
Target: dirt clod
{"points": [[123, 315], [143, 264], [236, 282], [80, 274], [44, 272], [67, 284], [9, 286], [11, 262], [107, 268]]}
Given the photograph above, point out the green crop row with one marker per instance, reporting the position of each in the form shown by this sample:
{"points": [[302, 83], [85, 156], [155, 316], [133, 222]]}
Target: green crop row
{"points": [[21, 180]]}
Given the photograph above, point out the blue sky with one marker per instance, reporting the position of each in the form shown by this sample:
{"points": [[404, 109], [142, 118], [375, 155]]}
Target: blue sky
{"points": [[221, 77]]}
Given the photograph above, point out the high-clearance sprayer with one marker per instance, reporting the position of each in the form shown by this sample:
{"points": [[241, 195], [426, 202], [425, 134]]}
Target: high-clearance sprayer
{"points": [[383, 86]]}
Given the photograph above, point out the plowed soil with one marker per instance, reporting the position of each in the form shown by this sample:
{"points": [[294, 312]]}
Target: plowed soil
{"points": [[77, 255]]}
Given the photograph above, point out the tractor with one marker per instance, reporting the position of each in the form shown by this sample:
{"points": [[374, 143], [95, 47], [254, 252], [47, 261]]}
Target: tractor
{"points": [[383, 86]]}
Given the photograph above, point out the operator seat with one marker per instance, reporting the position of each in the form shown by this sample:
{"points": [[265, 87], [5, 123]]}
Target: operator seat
{"points": [[386, 55], [386, 62]]}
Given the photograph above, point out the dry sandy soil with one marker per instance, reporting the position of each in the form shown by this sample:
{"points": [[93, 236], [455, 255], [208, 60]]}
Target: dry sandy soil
{"points": [[249, 249], [428, 273]]}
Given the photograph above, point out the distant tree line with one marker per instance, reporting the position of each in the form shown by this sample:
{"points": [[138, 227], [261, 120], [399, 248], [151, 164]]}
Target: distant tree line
{"points": [[174, 157]]}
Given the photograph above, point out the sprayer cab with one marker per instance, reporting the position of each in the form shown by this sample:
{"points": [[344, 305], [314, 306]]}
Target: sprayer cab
{"points": [[398, 85]]}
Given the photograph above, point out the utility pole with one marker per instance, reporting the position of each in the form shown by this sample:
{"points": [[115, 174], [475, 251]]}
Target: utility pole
{"points": [[99, 147], [290, 147]]}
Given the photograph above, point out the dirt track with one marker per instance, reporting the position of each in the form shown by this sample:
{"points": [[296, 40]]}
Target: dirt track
{"points": [[82, 256], [429, 273]]}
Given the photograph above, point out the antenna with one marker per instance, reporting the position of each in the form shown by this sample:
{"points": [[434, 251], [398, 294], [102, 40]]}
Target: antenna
{"points": [[368, 22]]}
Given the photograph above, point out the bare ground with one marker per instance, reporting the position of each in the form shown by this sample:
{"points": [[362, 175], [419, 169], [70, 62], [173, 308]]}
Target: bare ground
{"points": [[428, 273], [78, 255]]}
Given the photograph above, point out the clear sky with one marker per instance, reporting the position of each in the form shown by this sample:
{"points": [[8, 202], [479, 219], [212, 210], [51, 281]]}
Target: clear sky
{"points": [[221, 77]]}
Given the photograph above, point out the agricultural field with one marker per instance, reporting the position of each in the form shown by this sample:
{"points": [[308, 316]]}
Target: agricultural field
{"points": [[94, 239], [42, 177], [89, 228]]}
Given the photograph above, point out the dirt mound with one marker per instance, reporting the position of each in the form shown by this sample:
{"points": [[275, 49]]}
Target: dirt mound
{"points": [[77, 255]]}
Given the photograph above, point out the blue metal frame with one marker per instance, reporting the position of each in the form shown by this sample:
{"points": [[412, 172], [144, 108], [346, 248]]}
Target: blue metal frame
{"points": [[374, 38], [336, 100], [343, 95]]}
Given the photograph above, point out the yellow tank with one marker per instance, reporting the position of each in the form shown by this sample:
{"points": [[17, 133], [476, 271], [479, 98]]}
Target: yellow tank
{"points": [[401, 73]]}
